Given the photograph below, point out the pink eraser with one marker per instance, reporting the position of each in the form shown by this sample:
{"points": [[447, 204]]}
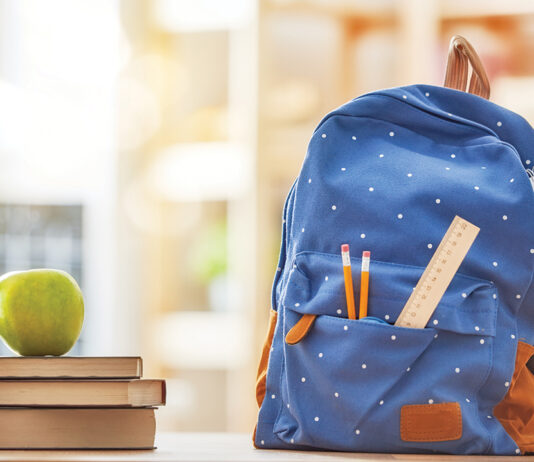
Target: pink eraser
{"points": [[345, 248], [366, 254]]}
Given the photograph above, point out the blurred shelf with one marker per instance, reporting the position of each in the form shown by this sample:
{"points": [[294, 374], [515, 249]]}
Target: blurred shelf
{"points": [[203, 340], [215, 171], [194, 171], [382, 10], [457, 9], [388, 9], [182, 16]]}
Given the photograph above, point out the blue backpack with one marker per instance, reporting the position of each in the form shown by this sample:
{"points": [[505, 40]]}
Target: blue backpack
{"points": [[388, 172]]}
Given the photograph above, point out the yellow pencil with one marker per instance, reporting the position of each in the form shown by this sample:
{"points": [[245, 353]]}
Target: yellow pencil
{"points": [[364, 286], [347, 273]]}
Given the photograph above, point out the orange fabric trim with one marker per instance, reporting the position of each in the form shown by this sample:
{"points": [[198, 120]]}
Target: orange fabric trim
{"points": [[261, 378], [254, 436], [516, 410], [300, 329], [431, 422]]}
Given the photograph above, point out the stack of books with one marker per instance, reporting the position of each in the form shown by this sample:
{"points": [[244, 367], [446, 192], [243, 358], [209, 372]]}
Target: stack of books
{"points": [[77, 403]]}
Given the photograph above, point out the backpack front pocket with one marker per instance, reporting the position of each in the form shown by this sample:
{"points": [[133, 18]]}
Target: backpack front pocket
{"points": [[338, 373], [344, 384]]}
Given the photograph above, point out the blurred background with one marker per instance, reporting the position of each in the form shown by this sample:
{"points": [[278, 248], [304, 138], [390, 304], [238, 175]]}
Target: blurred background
{"points": [[147, 146]]}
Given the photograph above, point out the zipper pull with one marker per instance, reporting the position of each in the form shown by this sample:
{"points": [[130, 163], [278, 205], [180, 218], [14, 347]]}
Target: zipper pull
{"points": [[300, 329], [531, 176]]}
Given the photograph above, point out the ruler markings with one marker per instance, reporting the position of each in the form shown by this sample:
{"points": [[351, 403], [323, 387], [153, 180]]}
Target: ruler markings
{"points": [[438, 274]]}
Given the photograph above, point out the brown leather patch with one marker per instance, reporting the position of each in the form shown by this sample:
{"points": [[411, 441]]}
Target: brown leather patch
{"points": [[431, 422], [261, 378], [300, 329], [516, 409]]}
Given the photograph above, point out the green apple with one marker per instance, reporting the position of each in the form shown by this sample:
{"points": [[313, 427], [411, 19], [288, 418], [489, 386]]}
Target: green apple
{"points": [[41, 311]]}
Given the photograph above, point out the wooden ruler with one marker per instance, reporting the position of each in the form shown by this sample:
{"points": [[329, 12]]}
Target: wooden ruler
{"points": [[438, 274]]}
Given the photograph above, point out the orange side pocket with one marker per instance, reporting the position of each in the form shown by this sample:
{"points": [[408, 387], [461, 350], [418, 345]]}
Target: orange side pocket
{"points": [[516, 410], [261, 378]]}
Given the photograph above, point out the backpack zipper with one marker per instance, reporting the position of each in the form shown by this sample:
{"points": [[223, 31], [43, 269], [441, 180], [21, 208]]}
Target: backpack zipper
{"points": [[530, 173], [457, 119]]}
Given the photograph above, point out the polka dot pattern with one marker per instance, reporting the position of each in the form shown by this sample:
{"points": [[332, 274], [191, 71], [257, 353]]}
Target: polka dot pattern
{"points": [[379, 189]]}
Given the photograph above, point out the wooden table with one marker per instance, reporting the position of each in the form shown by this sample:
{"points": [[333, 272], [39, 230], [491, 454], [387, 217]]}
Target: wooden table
{"points": [[223, 447]]}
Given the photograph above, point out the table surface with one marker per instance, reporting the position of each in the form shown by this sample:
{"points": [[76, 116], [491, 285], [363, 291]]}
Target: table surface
{"points": [[223, 447]]}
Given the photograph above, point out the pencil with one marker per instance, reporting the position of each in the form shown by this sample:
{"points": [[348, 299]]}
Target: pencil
{"points": [[347, 273], [364, 286]]}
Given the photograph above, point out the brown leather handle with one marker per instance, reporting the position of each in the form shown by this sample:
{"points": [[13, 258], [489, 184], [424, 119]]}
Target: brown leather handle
{"points": [[461, 54]]}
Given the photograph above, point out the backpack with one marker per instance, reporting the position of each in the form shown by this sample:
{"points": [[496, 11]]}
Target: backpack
{"points": [[388, 172]]}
